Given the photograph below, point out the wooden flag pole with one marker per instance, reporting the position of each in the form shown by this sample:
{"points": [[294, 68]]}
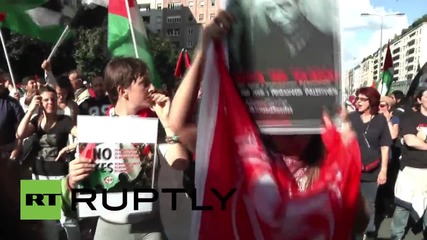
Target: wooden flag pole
{"points": [[132, 32], [7, 59], [59, 42]]}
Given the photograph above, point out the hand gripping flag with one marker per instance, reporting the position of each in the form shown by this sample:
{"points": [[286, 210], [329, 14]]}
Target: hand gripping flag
{"points": [[267, 204]]}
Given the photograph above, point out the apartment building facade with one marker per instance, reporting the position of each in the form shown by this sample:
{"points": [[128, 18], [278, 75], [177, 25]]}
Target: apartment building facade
{"points": [[152, 14], [178, 20], [352, 79], [408, 51], [183, 20]]}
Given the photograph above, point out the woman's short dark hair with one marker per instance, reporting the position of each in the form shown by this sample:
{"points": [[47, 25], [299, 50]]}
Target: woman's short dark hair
{"points": [[122, 71], [373, 96], [43, 89], [398, 94]]}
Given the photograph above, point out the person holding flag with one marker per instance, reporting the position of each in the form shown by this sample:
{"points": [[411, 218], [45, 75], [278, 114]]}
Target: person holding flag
{"points": [[262, 207]]}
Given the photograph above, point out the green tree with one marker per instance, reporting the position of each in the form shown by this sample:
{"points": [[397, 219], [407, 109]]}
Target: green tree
{"points": [[91, 54], [165, 55]]}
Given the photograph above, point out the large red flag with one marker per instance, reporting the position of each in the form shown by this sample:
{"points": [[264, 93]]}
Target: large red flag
{"points": [[267, 204]]}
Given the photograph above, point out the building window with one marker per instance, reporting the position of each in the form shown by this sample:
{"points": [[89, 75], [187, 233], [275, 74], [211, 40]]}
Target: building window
{"points": [[159, 31], [159, 6], [212, 16], [213, 3], [174, 19], [144, 7], [190, 18], [159, 19], [191, 3], [202, 3], [190, 31], [172, 32], [175, 6], [201, 17], [146, 19], [189, 44]]}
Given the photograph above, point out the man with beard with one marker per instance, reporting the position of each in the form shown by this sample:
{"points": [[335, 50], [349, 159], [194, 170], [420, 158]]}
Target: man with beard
{"points": [[99, 104]]}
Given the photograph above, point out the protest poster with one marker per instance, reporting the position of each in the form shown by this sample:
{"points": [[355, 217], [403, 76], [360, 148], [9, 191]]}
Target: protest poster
{"points": [[124, 151], [284, 56]]}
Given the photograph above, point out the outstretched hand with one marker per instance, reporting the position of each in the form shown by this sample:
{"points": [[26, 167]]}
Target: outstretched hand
{"points": [[347, 133]]}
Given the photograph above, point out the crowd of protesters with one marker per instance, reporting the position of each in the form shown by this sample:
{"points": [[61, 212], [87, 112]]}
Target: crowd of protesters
{"points": [[38, 137], [391, 133]]}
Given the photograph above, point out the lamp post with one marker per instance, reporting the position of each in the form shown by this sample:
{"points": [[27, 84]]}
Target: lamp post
{"points": [[381, 34]]}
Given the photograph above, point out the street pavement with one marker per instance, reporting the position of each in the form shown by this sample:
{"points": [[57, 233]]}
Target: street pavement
{"points": [[384, 232]]}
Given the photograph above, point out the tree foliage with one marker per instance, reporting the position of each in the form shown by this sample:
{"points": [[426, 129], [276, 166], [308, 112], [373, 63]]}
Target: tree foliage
{"points": [[85, 49], [165, 55], [91, 54]]}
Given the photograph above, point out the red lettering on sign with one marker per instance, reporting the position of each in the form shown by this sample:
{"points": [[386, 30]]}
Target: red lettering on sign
{"points": [[299, 75], [255, 77], [278, 75]]}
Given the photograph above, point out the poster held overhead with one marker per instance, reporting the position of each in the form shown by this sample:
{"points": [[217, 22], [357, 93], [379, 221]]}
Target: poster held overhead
{"points": [[286, 62]]}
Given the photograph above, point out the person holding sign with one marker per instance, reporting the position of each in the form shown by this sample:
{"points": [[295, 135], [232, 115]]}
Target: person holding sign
{"points": [[312, 161], [130, 90]]}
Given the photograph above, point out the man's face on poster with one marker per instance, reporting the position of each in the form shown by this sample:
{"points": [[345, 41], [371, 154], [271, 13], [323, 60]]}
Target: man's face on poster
{"points": [[284, 13]]}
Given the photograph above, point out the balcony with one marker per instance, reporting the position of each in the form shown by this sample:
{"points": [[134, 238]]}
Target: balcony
{"points": [[411, 43], [396, 50], [396, 58], [410, 51]]}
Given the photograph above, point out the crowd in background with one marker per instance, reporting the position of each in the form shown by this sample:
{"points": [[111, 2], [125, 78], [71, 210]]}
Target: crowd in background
{"points": [[391, 133]]}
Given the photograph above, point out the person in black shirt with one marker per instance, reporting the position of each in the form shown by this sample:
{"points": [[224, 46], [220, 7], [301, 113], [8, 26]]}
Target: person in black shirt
{"points": [[11, 113], [374, 140], [99, 104], [49, 163], [411, 183]]}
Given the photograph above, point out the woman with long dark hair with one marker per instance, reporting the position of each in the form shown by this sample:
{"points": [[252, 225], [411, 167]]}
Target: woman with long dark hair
{"points": [[374, 140]]}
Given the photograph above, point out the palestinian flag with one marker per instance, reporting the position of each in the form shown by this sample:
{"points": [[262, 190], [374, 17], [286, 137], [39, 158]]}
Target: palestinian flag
{"points": [[387, 75], [121, 23], [41, 19]]}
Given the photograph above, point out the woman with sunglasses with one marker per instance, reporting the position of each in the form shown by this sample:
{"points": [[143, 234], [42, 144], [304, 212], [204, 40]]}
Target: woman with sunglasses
{"points": [[374, 139]]}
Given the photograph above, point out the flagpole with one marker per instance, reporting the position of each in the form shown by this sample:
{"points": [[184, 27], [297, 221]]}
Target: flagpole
{"points": [[58, 43], [131, 28], [7, 59]]}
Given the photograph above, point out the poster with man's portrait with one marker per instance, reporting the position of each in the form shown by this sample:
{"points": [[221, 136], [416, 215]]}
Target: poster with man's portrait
{"points": [[284, 56]]}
